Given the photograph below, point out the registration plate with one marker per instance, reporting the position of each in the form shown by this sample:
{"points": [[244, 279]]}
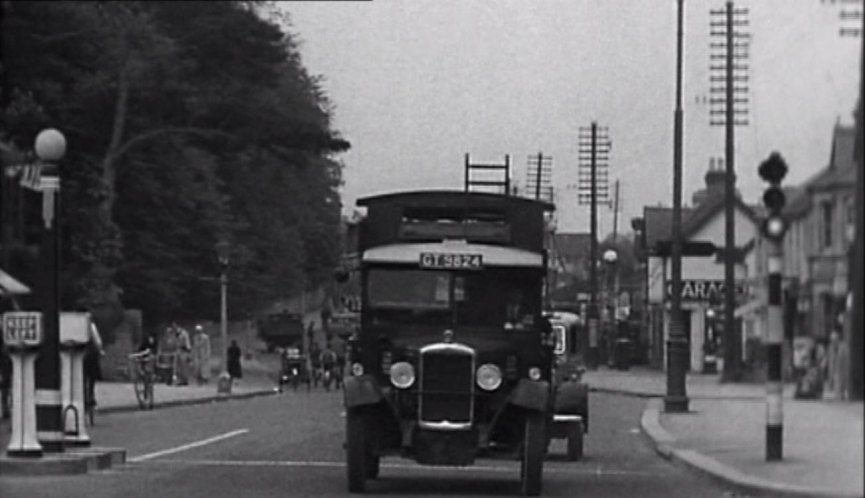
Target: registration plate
{"points": [[451, 260]]}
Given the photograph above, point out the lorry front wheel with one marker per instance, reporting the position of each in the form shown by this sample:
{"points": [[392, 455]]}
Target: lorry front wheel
{"points": [[575, 441], [534, 444]]}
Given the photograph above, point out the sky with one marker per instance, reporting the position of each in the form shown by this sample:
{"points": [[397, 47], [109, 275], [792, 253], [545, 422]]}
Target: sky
{"points": [[417, 84]]}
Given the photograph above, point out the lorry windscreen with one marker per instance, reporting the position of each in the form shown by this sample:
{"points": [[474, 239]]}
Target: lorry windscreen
{"points": [[500, 299]]}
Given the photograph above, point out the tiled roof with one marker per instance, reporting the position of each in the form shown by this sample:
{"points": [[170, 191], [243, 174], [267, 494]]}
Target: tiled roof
{"points": [[709, 208], [798, 202], [841, 171]]}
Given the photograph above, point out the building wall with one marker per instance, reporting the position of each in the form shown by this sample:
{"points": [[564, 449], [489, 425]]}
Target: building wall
{"points": [[701, 268], [825, 278]]}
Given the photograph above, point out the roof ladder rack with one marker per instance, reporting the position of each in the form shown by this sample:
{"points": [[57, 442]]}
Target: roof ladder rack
{"points": [[504, 185]]}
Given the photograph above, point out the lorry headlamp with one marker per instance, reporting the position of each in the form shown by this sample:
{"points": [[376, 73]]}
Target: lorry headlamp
{"points": [[489, 377], [402, 375]]}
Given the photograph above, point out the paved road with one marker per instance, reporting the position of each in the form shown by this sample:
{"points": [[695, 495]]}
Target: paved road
{"points": [[291, 445]]}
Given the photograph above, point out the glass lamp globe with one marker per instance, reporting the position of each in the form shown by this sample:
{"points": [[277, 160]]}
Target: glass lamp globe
{"points": [[50, 145]]}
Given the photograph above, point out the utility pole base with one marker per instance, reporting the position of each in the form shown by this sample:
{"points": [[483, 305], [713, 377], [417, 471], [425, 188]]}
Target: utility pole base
{"points": [[676, 404], [774, 443]]}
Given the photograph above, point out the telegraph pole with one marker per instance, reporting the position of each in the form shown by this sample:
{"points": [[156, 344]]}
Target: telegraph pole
{"points": [[857, 383], [732, 74], [539, 179], [593, 156], [855, 256], [615, 211], [676, 399]]}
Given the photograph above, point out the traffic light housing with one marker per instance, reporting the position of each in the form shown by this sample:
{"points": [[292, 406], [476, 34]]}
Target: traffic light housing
{"points": [[773, 170]]}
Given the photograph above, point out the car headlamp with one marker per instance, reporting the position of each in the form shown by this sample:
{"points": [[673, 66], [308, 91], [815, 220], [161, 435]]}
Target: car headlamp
{"points": [[489, 377], [402, 374]]}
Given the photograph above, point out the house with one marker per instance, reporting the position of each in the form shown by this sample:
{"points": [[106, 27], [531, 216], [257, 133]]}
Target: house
{"points": [[702, 276], [817, 244]]}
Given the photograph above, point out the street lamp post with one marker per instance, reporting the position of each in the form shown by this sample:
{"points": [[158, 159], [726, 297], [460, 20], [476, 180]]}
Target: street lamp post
{"points": [[676, 398], [223, 250], [610, 258], [50, 147]]}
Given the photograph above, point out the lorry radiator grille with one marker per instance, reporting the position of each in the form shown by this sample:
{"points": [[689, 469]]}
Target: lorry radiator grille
{"points": [[446, 386]]}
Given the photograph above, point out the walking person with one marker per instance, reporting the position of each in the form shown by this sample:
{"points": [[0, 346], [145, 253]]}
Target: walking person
{"points": [[235, 370], [92, 367], [839, 365], [201, 355], [184, 350]]}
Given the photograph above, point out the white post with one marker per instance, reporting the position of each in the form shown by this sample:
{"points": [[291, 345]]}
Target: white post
{"points": [[72, 395], [23, 441]]}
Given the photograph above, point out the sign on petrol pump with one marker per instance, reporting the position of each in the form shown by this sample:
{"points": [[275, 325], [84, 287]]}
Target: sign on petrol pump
{"points": [[22, 329]]}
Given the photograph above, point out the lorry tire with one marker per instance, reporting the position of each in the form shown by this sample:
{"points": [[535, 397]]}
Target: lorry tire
{"points": [[534, 445], [575, 441], [372, 465], [356, 450]]}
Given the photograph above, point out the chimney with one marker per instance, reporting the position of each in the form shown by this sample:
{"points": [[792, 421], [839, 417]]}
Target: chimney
{"points": [[715, 176]]}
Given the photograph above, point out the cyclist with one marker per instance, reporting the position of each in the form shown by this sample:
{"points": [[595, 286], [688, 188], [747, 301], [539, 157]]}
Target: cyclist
{"points": [[328, 360]]}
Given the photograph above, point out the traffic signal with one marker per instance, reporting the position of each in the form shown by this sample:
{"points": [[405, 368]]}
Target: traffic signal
{"points": [[773, 170]]}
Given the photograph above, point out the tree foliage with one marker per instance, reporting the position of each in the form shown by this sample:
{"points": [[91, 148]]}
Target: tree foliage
{"points": [[187, 123]]}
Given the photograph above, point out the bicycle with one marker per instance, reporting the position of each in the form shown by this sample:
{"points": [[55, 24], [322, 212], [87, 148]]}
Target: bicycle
{"points": [[143, 377]]}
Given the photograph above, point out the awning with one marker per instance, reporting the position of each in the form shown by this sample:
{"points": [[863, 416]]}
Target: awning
{"points": [[751, 307], [10, 287]]}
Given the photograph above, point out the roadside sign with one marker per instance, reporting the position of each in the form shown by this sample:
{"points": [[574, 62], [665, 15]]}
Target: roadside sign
{"points": [[22, 328], [31, 176]]}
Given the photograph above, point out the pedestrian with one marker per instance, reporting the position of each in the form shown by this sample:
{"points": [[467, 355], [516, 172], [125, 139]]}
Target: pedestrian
{"points": [[235, 370], [326, 315], [184, 350], [838, 360], [201, 355], [5, 381], [149, 344], [92, 367]]}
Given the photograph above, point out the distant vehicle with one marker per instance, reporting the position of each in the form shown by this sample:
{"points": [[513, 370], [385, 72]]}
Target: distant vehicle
{"points": [[344, 324], [571, 405], [452, 360], [281, 330]]}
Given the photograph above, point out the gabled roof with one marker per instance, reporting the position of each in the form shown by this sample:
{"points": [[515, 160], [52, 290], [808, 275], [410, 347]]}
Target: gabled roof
{"points": [[707, 210], [841, 171], [573, 245], [798, 202]]}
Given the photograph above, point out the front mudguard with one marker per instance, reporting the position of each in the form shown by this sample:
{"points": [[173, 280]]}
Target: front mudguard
{"points": [[572, 398], [531, 394], [360, 391]]}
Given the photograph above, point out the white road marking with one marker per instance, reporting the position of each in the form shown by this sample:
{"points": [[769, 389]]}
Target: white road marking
{"points": [[189, 446], [573, 469]]}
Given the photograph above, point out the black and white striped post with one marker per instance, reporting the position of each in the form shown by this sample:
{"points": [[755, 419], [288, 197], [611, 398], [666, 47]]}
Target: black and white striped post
{"points": [[774, 339], [773, 171]]}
